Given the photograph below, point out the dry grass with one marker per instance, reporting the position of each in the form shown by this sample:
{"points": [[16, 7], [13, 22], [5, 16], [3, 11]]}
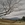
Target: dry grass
{"points": [[10, 22]]}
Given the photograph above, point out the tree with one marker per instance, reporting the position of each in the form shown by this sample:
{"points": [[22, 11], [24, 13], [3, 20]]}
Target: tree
{"points": [[3, 4], [23, 18], [10, 9]]}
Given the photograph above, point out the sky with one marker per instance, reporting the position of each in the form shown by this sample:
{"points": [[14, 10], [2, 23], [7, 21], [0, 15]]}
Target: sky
{"points": [[17, 12]]}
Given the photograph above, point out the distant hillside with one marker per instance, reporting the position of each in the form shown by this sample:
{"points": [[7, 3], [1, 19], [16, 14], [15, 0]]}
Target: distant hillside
{"points": [[15, 18]]}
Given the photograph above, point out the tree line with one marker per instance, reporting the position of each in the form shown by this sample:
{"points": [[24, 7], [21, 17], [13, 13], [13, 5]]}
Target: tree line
{"points": [[23, 19]]}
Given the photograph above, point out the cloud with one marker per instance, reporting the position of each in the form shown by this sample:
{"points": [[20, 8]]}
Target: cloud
{"points": [[20, 13]]}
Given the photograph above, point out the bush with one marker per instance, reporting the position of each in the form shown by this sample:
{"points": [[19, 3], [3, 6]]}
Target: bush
{"points": [[23, 18]]}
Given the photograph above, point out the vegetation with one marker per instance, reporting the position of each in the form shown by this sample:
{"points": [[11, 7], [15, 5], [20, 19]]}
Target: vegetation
{"points": [[23, 18], [13, 22]]}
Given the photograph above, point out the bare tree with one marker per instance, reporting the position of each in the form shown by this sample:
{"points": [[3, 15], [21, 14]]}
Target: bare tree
{"points": [[2, 3], [9, 10], [10, 7]]}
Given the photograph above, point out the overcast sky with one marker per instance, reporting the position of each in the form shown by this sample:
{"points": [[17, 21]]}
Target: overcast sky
{"points": [[17, 12]]}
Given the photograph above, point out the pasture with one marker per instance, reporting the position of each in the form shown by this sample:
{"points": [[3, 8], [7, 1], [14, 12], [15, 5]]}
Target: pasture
{"points": [[11, 22]]}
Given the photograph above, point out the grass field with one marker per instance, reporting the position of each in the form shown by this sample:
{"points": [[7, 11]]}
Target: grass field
{"points": [[11, 22]]}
